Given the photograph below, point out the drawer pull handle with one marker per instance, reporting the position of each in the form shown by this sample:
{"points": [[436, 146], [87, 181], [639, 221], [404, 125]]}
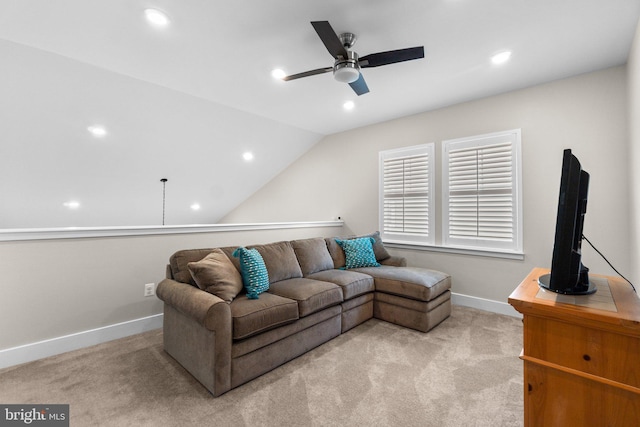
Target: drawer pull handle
{"points": [[586, 357]]}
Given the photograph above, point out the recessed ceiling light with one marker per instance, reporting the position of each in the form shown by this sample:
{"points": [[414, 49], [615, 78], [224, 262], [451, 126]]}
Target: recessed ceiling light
{"points": [[156, 17], [349, 105], [501, 57], [72, 204], [97, 131], [247, 156], [278, 74], [195, 207]]}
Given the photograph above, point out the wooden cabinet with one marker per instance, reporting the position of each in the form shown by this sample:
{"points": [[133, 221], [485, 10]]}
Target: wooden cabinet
{"points": [[581, 354]]}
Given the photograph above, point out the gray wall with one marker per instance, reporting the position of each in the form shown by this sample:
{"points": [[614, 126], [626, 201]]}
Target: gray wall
{"points": [[634, 155], [54, 288], [588, 113]]}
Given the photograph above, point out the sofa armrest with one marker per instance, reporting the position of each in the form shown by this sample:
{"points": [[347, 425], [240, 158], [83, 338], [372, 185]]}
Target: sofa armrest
{"points": [[197, 333], [203, 307], [395, 261]]}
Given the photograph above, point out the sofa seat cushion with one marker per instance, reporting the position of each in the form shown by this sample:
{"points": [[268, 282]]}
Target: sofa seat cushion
{"points": [[256, 342], [252, 316], [351, 282], [417, 283], [311, 295]]}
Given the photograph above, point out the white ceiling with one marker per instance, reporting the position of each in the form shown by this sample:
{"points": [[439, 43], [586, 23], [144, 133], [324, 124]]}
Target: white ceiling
{"points": [[186, 101], [224, 51]]}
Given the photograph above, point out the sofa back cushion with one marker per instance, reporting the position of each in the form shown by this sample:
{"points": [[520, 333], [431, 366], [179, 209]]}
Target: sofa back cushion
{"points": [[313, 255], [280, 260], [378, 246], [337, 254]]}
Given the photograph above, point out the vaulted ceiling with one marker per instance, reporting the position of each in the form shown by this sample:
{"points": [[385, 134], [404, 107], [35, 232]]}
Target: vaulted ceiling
{"points": [[187, 100]]}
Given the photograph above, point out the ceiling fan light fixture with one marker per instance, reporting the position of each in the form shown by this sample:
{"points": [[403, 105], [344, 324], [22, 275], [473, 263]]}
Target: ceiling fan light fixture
{"points": [[346, 72]]}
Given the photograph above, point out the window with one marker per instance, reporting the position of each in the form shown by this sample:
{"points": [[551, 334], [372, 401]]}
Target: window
{"points": [[406, 194], [481, 201]]}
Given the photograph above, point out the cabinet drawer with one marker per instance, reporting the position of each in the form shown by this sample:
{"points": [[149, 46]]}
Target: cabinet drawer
{"points": [[558, 399], [608, 355]]}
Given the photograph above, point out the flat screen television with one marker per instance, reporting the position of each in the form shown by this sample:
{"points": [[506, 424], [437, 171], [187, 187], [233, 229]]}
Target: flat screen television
{"points": [[568, 274]]}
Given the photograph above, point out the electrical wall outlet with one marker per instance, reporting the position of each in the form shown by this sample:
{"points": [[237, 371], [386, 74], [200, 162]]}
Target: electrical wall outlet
{"points": [[149, 289]]}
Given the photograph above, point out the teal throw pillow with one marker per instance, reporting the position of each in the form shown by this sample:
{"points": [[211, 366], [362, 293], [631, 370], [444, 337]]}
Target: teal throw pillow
{"points": [[358, 252], [254, 273]]}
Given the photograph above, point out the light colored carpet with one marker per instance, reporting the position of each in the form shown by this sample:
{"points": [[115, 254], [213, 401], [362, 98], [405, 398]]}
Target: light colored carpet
{"points": [[465, 372]]}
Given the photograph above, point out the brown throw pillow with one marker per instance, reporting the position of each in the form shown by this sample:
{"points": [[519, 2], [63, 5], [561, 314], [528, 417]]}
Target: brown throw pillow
{"points": [[217, 275]]}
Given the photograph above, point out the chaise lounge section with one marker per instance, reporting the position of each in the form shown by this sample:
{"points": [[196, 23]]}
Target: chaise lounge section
{"points": [[225, 338]]}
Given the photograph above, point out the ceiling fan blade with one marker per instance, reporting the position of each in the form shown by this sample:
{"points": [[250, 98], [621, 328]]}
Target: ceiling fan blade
{"points": [[391, 57], [307, 73], [329, 38], [360, 86]]}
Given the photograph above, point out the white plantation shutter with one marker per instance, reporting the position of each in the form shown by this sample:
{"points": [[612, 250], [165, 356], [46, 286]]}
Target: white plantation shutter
{"points": [[406, 192], [481, 203], [406, 195]]}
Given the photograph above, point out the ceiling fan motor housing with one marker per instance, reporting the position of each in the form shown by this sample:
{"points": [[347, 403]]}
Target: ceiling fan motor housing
{"points": [[347, 40], [347, 70]]}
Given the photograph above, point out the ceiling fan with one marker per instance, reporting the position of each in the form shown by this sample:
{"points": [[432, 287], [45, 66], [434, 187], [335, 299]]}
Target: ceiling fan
{"points": [[347, 65]]}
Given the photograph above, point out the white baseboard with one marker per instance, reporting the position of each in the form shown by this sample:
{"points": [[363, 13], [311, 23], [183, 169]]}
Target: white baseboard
{"points": [[51, 347], [484, 304], [38, 350]]}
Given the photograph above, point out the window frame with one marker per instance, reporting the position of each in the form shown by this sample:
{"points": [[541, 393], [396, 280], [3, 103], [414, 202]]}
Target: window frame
{"points": [[427, 150], [514, 246]]}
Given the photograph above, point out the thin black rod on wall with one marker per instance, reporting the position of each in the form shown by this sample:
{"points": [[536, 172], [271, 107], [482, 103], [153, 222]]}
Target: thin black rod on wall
{"points": [[164, 184]]}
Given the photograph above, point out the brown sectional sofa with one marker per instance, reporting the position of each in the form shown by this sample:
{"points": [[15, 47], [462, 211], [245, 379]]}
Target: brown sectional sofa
{"points": [[311, 299]]}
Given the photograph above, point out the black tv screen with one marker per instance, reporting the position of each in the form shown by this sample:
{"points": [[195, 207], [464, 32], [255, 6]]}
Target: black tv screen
{"points": [[568, 274]]}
